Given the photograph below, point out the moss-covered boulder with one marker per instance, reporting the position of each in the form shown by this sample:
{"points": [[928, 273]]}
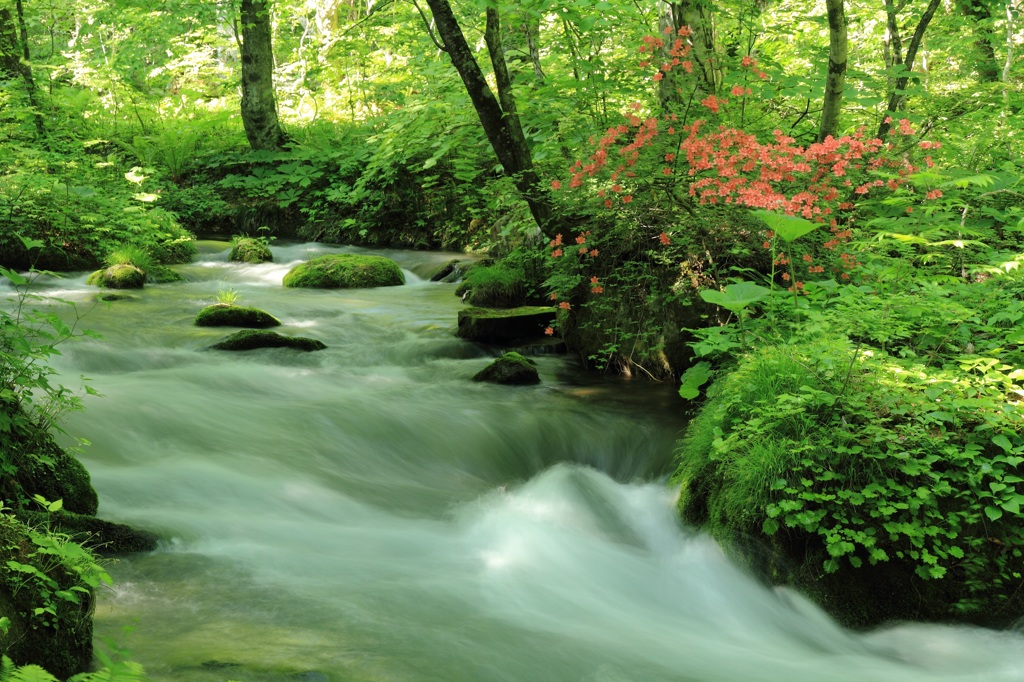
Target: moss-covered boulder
{"points": [[222, 315], [345, 271], [249, 250], [504, 326], [161, 274], [47, 590], [883, 487], [110, 298], [511, 368], [493, 286], [251, 339], [121, 276]]}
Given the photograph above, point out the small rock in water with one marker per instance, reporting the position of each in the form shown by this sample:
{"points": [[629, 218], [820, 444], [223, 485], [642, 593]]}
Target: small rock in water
{"points": [[251, 339], [511, 368]]}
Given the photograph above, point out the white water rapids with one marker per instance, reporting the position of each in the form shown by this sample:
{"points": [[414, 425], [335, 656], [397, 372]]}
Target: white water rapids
{"points": [[367, 512]]}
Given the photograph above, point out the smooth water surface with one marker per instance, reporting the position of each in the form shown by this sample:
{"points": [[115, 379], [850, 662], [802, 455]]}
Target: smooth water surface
{"points": [[367, 512]]}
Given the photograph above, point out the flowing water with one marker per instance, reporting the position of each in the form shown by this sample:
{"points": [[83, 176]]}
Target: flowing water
{"points": [[367, 512]]}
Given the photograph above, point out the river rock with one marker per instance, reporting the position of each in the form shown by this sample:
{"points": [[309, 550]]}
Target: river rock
{"points": [[506, 326], [345, 271], [223, 315], [251, 339], [121, 276], [449, 272], [249, 250], [511, 368]]}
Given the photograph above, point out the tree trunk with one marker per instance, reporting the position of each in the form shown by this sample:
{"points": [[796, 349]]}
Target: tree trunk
{"points": [[259, 108], [14, 59], [898, 98], [499, 120], [981, 30], [698, 17], [835, 81]]}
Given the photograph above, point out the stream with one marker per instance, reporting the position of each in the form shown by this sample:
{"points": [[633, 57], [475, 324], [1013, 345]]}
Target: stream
{"points": [[367, 512]]}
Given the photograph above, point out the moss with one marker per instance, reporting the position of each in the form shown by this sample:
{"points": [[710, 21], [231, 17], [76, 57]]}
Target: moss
{"points": [[507, 326], [121, 276], [115, 297], [511, 368], [251, 339], [221, 315], [249, 250], [345, 271], [60, 641], [494, 286]]}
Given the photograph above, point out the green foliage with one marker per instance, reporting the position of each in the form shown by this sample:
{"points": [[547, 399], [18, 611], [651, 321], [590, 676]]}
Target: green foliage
{"points": [[227, 296], [130, 254]]}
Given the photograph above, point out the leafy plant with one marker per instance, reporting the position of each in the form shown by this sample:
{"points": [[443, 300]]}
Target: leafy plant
{"points": [[227, 296]]}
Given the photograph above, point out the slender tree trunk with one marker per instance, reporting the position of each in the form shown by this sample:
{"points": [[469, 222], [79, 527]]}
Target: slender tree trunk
{"points": [[898, 98], [14, 59], [698, 17], [259, 108], [499, 120], [981, 29], [835, 81]]}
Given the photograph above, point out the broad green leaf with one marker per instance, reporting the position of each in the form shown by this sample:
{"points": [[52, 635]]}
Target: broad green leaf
{"points": [[693, 378], [1003, 442], [993, 513], [737, 296], [789, 228]]}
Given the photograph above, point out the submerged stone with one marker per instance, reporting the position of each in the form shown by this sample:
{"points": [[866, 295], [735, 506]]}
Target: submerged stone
{"points": [[504, 326], [223, 315], [251, 339], [345, 271], [511, 368]]}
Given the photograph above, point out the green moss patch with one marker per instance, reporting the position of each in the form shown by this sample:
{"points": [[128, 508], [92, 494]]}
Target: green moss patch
{"points": [[345, 271], [249, 250], [221, 315], [494, 286], [251, 339]]}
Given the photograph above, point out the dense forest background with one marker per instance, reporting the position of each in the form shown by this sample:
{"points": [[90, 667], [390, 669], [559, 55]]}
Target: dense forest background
{"points": [[814, 208]]}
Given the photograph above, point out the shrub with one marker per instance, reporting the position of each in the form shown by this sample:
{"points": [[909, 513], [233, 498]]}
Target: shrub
{"points": [[845, 458]]}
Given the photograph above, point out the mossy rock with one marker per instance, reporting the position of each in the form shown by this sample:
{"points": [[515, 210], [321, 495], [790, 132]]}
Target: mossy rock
{"points": [[222, 315], [251, 339], [103, 537], [110, 298], [121, 276], [249, 250], [512, 369], [493, 286], [345, 271], [504, 326], [60, 639]]}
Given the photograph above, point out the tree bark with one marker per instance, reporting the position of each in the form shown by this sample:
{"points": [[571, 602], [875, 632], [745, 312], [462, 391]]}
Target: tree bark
{"points": [[898, 99], [835, 81], [500, 121], [981, 29], [259, 107], [14, 59], [697, 16]]}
